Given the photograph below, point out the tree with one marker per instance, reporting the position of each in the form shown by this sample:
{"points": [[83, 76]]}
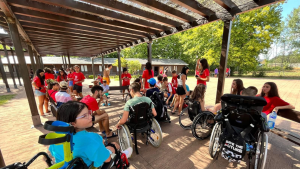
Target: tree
{"points": [[123, 62], [134, 66], [293, 23]]}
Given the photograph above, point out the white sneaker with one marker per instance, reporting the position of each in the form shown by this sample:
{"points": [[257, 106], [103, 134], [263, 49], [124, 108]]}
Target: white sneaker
{"points": [[128, 152]]}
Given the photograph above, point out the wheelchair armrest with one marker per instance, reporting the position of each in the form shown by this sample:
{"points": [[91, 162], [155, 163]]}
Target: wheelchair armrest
{"points": [[77, 161], [111, 163]]}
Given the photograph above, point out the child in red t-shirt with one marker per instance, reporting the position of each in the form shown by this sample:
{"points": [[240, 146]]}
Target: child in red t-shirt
{"points": [[174, 79], [125, 79], [147, 74], [78, 79], [203, 69], [274, 102], [100, 79], [62, 76], [70, 79]]}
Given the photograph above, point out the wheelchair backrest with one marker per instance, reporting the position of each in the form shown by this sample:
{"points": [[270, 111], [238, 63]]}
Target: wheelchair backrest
{"points": [[140, 113], [193, 108]]}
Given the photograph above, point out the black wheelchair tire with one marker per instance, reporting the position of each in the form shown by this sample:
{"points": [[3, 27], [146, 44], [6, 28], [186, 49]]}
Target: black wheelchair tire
{"points": [[181, 116], [200, 119]]}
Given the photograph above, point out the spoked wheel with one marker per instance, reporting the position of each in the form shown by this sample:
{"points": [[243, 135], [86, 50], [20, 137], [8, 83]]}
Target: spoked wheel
{"points": [[214, 140], [124, 135], [261, 151], [184, 119], [202, 125], [155, 137]]}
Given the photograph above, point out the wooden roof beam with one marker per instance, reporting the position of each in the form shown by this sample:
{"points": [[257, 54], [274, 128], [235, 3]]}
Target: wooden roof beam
{"points": [[86, 8], [40, 42], [44, 39], [70, 45], [11, 16], [194, 6], [230, 6]]}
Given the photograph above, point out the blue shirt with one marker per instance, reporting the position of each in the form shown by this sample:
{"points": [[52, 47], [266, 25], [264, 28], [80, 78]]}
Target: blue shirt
{"points": [[150, 92], [88, 146], [187, 88]]}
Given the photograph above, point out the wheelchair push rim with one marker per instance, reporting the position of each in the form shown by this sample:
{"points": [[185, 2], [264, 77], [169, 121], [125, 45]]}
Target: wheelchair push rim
{"points": [[261, 151], [184, 119], [202, 128], [214, 140], [155, 137], [124, 135]]}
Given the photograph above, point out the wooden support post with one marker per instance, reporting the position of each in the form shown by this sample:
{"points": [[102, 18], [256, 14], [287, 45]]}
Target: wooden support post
{"points": [[119, 66], [66, 63], [24, 71], [223, 60], [42, 63], [4, 76], [93, 69], [9, 65], [149, 49], [2, 163], [63, 62], [33, 66], [69, 60], [37, 61], [16, 66], [102, 64]]}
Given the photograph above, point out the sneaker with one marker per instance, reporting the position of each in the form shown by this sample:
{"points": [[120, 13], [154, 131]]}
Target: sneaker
{"points": [[108, 104], [128, 152], [103, 104]]}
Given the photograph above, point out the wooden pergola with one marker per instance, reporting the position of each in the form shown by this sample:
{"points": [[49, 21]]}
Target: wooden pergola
{"points": [[94, 28]]}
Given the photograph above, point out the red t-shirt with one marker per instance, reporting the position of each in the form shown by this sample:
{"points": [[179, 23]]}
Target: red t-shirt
{"points": [[203, 75], [174, 81], [227, 70], [126, 81], [78, 77], [273, 102], [70, 76], [171, 89], [39, 84], [52, 93], [147, 76], [90, 102], [59, 78], [48, 76]]}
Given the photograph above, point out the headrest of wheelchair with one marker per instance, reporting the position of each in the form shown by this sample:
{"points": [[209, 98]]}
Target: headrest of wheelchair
{"points": [[54, 138], [59, 127], [140, 104], [243, 100]]}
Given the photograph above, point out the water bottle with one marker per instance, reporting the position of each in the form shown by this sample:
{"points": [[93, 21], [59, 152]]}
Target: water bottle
{"points": [[272, 119]]}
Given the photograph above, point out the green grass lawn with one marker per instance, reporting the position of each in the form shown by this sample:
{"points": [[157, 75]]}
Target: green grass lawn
{"points": [[5, 98]]}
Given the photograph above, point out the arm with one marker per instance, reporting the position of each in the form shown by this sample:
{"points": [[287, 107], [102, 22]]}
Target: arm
{"points": [[169, 97], [98, 112], [183, 78], [123, 119], [154, 112], [143, 84], [204, 79], [202, 105], [284, 107]]}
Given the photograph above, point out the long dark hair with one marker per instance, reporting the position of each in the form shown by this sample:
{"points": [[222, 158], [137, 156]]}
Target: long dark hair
{"points": [[64, 76], [69, 111], [183, 71], [204, 65], [149, 68], [239, 87], [273, 91], [198, 92], [42, 78]]}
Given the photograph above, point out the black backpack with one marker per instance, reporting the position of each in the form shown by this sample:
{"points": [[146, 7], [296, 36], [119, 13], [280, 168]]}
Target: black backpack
{"points": [[159, 104]]}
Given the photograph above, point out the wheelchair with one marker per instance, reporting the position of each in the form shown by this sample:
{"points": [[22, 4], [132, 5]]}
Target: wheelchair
{"points": [[197, 120], [53, 106], [63, 135], [240, 129], [140, 120], [160, 107]]}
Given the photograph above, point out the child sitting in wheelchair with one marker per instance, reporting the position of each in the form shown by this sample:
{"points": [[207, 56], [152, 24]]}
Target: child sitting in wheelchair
{"points": [[88, 146]]}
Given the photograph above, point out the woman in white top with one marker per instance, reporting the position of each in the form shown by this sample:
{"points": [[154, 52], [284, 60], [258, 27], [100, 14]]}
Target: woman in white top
{"points": [[181, 89]]}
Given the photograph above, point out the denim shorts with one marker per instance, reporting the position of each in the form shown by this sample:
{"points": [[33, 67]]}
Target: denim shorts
{"points": [[70, 83], [38, 93]]}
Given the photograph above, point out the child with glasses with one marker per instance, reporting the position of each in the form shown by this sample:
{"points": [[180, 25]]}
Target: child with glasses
{"points": [[87, 145]]}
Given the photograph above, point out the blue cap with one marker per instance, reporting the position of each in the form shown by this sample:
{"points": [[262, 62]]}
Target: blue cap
{"points": [[99, 74], [152, 81]]}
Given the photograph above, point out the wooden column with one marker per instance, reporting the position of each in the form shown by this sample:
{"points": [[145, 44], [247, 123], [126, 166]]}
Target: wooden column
{"points": [[2, 163], [16, 66], [37, 61], [9, 65], [93, 69], [69, 60], [103, 65], [223, 59], [119, 66], [24, 71], [33, 66], [63, 62], [149, 50], [66, 63], [41, 61], [4, 75]]}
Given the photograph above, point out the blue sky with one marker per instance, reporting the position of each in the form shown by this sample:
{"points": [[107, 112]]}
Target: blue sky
{"points": [[288, 7]]}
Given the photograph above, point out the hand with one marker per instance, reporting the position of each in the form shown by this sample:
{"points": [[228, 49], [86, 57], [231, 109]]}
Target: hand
{"points": [[276, 109], [76, 82], [118, 126], [167, 102]]}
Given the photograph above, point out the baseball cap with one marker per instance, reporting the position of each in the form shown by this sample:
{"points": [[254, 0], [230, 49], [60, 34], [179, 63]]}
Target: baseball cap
{"points": [[63, 84], [99, 74], [152, 81]]}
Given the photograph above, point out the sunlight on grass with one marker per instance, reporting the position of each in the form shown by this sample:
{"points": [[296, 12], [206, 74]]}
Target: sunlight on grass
{"points": [[5, 98]]}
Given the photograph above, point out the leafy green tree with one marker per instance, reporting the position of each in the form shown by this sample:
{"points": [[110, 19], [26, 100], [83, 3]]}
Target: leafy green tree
{"points": [[123, 62], [293, 24], [134, 66]]}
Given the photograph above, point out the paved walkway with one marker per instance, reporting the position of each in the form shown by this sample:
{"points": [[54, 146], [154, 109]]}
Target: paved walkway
{"points": [[179, 148]]}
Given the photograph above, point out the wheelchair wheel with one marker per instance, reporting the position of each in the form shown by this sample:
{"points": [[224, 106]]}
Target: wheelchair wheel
{"points": [[214, 140], [124, 135], [155, 137], [202, 125], [261, 151], [184, 119]]}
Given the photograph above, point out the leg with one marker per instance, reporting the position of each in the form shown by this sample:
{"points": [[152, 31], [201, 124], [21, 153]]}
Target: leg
{"points": [[75, 92], [176, 104], [181, 99], [41, 102], [123, 93], [103, 121], [80, 94], [71, 89], [46, 101]]}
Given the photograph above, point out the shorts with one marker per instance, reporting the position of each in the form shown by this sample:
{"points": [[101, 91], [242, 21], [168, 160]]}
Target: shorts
{"points": [[106, 94], [70, 83], [77, 88], [180, 90], [39, 93], [107, 80]]}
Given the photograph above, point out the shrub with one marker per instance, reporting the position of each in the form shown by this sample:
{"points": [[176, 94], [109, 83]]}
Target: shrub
{"points": [[91, 76]]}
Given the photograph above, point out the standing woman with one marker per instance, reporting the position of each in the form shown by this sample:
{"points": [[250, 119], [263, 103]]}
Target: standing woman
{"points": [[147, 74], [62, 76], [39, 84], [270, 93], [125, 79], [70, 78], [181, 89], [203, 69], [236, 87]]}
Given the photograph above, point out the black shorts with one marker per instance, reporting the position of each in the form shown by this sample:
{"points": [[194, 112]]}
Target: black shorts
{"points": [[77, 88], [180, 91]]}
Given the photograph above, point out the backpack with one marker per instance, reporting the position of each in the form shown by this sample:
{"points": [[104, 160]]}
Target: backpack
{"points": [[161, 110]]}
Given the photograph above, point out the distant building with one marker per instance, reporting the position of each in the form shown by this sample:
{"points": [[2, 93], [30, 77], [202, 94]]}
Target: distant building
{"points": [[85, 64]]}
